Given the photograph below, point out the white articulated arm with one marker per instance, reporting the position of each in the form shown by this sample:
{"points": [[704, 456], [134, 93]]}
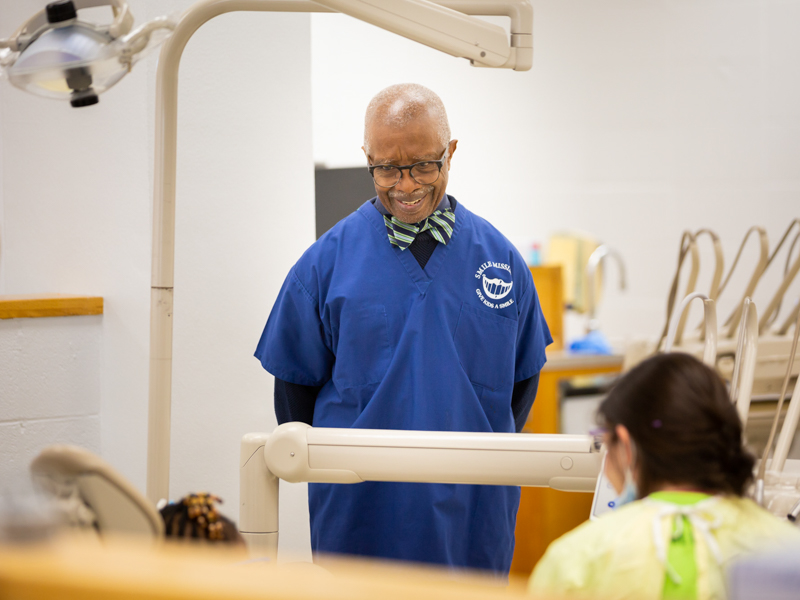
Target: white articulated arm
{"points": [[452, 31], [297, 452], [258, 498]]}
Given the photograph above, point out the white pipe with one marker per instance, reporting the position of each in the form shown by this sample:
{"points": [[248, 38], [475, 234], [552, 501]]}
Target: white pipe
{"points": [[778, 297], [162, 278], [791, 318], [793, 415], [745, 366], [163, 261], [710, 327], [719, 262], [787, 431], [297, 452], [691, 283], [719, 268], [761, 266]]}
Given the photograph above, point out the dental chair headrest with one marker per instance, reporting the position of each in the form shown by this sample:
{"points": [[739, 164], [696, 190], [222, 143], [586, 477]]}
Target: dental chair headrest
{"points": [[112, 504]]}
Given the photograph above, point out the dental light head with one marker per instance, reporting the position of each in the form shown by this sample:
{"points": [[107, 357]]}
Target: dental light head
{"points": [[56, 55]]}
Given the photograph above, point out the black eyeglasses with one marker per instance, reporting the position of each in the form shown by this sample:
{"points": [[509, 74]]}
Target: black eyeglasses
{"points": [[424, 173]]}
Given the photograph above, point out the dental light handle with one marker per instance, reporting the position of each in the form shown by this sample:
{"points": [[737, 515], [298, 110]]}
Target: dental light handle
{"points": [[297, 452], [121, 24], [710, 327]]}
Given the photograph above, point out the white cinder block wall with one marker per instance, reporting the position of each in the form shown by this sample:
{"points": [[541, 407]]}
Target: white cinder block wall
{"points": [[637, 121], [76, 218]]}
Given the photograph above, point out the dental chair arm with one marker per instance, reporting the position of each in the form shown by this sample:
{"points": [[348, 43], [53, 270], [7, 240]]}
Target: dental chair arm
{"points": [[297, 452]]}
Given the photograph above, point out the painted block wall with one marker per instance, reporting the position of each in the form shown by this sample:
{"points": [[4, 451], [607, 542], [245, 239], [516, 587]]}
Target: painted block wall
{"points": [[637, 121], [51, 388], [76, 217]]}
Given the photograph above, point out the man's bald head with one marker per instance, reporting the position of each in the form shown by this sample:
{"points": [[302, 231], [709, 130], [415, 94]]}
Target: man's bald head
{"points": [[399, 104]]}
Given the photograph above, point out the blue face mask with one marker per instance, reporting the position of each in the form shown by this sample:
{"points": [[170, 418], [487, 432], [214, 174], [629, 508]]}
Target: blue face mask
{"points": [[629, 491]]}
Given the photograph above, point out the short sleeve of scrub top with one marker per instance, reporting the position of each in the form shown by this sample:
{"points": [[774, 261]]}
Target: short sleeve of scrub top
{"points": [[304, 357]]}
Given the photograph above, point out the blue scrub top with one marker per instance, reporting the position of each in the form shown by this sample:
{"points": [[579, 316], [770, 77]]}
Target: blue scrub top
{"points": [[396, 346]]}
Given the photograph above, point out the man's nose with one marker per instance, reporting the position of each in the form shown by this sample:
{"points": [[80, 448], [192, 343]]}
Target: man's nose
{"points": [[406, 183]]}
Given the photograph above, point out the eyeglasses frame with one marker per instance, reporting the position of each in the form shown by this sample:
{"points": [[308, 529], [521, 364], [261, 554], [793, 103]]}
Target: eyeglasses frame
{"points": [[401, 168]]}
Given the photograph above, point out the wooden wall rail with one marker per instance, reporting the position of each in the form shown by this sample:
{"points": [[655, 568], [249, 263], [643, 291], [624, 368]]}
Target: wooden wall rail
{"points": [[49, 305]]}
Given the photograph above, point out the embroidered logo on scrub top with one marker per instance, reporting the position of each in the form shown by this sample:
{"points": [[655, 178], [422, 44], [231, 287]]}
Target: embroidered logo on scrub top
{"points": [[494, 286]]}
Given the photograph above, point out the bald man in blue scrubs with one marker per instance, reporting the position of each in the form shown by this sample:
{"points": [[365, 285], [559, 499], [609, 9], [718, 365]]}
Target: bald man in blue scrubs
{"points": [[411, 313]]}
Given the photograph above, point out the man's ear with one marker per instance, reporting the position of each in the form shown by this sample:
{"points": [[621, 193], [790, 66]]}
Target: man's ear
{"points": [[453, 144]]}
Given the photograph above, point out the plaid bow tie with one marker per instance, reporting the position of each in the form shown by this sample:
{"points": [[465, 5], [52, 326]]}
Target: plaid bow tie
{"points": [[440, 224]]}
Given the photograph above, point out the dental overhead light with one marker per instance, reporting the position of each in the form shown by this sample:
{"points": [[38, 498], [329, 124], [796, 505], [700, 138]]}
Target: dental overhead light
{"points": [[55, 55]]}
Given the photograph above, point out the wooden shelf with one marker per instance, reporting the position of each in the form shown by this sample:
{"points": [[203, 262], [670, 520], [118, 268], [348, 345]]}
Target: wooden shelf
{"points": [[49, 305]]}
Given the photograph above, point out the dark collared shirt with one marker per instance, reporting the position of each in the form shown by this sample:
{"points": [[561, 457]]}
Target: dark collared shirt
{"points": [[424, 244]]}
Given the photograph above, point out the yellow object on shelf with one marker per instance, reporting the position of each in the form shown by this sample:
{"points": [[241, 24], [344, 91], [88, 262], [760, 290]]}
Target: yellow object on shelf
{"points": [[550, 288], [572, 252], [49, 305]]}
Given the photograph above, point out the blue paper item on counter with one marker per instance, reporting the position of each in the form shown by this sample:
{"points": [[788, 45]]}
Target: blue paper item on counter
{"points": [[594, 342]]}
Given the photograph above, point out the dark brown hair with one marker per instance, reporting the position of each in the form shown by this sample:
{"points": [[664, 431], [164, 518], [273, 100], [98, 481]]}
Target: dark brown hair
{"points": [[684, 426], [196, 517]]}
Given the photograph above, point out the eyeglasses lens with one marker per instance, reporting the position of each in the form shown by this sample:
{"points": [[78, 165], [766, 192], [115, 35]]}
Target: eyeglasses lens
{"points": [[423, 173]]}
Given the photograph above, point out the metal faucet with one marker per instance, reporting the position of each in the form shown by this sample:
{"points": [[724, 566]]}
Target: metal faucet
{"points": [[595, 259]]}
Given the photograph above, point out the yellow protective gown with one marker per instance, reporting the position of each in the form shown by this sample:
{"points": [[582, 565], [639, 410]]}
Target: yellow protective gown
{"points": [[619, 556]]}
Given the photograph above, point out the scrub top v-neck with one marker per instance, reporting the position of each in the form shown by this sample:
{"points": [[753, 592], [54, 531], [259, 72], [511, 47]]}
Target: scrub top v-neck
{"points": [[421, 276], [396, 346]]}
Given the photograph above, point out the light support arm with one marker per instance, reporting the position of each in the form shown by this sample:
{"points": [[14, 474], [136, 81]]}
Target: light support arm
{"points": [[449, 30], [163, 263], [163, 258], [297, 452]]}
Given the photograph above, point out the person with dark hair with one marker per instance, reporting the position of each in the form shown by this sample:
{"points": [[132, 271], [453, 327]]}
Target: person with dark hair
{"points": [[196, 517], [675, 457]]}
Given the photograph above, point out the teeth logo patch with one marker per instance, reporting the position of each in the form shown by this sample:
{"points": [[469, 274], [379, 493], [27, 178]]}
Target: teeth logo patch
{"points": [[496, 284], [496, 289]]}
